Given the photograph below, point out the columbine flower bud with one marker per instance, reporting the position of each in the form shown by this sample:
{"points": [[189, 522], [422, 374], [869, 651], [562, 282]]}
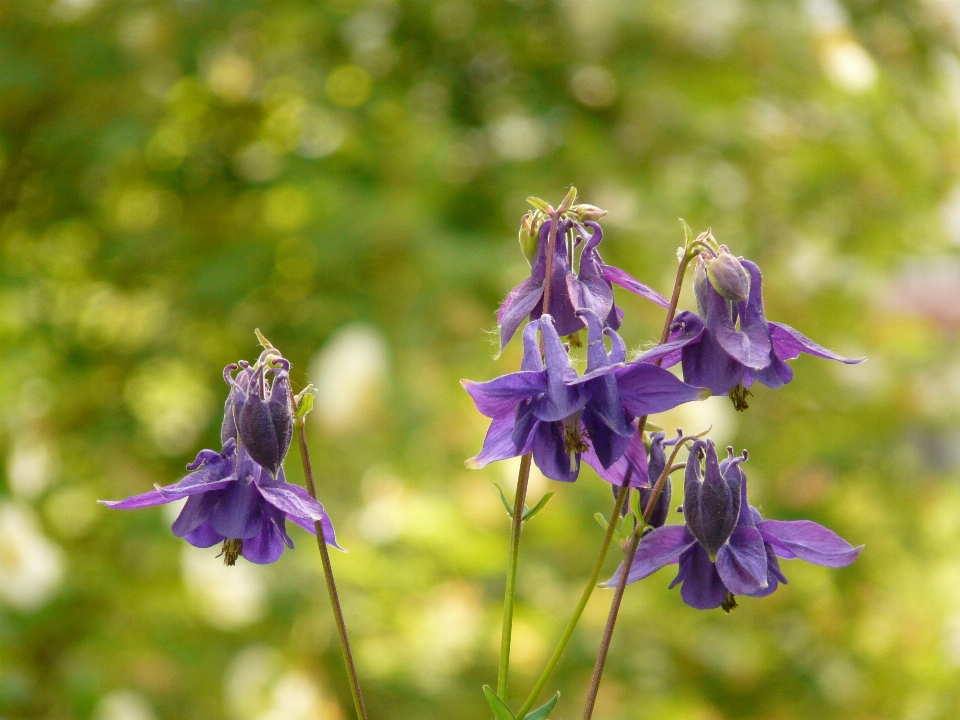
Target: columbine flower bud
{"points": [[529, 232], [728, 276], [265, 421], [585, 212], [711, 504]]}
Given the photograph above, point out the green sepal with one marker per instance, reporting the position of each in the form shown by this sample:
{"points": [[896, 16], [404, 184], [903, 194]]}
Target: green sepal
{"points": [[304, 402], [500, 710], [539, 506], [541, 205], [503, 499], [542, 712]]}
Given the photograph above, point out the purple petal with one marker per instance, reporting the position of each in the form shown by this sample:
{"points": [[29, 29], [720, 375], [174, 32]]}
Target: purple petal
{"points": [[596, 350], [304, 520], [531, 348], [808, 541], [497, 445], [656, 550], [561, 400], [706, 364], [632, 462], [237, 511], [774, 575], [742, 562], [702, 587], [628, 282], [788, 344], [267, 545], [550, 455], [328, 534], [750, 345], [147, 499], [204, 536], [194, 513], [517, 307], [775, 375], [499, 397], [561, 306], [647, 389]]}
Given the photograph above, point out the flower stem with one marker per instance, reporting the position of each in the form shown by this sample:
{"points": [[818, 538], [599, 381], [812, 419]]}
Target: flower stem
{"points": [[331, 583], [631, 550], [581, 605], [523, 479], [506, 632]]}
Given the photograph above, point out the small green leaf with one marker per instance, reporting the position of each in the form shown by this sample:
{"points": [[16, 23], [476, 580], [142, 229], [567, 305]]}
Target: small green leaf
{"points": [[503, 498], [543, 711], [539, 506], [601, 519], [304, 402], [501, 711]]}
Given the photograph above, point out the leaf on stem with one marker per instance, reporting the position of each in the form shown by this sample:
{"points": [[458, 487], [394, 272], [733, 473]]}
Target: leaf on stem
{"points": [[503, 499], [542, 712], [539, 506], [500, 710]]}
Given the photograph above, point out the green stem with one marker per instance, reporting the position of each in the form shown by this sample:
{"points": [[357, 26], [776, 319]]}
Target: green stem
{"points": [[581, 605], [331, 583], [506, 632]]}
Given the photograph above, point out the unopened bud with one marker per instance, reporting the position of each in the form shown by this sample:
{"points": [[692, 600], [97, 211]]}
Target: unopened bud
{"points": [[729, 277], [529, 232], [584, 212]]}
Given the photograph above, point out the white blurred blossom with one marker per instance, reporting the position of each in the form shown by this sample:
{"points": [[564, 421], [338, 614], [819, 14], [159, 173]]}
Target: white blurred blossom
{"points": [[350, 373], [518, 137], [123, 705], [171, 403], [30, 467], [31, 566], [227, 597]]}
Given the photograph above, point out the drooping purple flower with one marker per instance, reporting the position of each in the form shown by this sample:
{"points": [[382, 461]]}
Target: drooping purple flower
{"points": [[730, 345], [591, 287], [257, 411], [746, 561], [233, 500], [548, 410]]}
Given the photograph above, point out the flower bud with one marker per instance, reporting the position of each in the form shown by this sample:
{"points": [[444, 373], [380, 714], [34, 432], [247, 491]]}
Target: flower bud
{"points": [[529, 231], [585, 212], [265, 422], [711, 504], [729, 277], [656, 464]]}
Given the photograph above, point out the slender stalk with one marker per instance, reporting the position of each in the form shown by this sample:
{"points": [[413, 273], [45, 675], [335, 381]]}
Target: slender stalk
{"points": [[631, 550], [331, 583], [523, 479], [581, 605], [506, 632]]}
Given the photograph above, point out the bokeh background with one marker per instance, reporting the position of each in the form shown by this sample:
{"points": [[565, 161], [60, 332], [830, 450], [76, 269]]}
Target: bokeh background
{"points": [[349, 177]]}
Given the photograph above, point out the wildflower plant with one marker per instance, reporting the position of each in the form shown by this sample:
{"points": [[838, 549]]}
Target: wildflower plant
{"points": [[551, 415]]}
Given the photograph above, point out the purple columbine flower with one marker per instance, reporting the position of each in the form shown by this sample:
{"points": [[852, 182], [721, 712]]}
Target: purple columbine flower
{"points": [[725, 548], [257, 411], [559, 417], [233, 500], [591, 287], [731, 344]]}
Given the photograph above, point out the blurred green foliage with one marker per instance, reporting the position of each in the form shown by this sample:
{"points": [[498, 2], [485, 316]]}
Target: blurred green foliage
{"points": [[349, 176]]}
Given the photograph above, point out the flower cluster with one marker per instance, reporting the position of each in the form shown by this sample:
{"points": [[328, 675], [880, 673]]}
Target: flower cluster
{"points": [[547, 408], [560, 417], [239, 496]]}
